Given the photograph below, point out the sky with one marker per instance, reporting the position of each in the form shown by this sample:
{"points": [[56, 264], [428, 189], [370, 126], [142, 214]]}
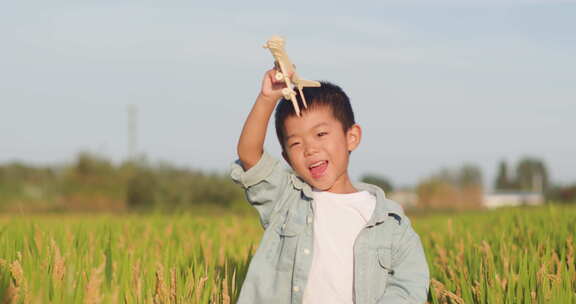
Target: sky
{"points": [[433, 84]]}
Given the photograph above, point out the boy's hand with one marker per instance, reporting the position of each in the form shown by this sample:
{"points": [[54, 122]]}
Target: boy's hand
{"points": [[251, 142], [272, 88]]}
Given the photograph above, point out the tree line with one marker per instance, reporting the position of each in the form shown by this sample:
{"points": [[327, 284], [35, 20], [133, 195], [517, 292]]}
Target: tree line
{"points": [[463, 187], [92, 182]]}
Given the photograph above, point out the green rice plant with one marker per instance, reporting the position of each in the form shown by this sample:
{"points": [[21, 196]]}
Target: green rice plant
{"points": [[517, 255], [130, 258]]}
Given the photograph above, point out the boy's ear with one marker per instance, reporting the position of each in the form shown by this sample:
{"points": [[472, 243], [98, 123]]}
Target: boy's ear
{"points": [[353, 137]]}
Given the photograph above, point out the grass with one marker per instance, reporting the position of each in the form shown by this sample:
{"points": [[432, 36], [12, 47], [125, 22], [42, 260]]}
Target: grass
{"points": [[522, 255]]}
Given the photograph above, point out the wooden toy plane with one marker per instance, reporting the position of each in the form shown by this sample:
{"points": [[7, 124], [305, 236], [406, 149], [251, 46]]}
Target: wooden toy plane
{"points": [[284, 68]]}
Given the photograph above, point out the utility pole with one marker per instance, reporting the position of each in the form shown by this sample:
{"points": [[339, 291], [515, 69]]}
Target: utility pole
{"points": [[132, 128]]}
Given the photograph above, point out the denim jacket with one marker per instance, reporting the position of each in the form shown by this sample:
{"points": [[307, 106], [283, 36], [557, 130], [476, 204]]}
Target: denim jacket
{"points": [[389, 261]]}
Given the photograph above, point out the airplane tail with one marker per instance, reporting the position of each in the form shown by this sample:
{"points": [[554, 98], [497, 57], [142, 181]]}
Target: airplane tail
{"points": [[307, 83]]}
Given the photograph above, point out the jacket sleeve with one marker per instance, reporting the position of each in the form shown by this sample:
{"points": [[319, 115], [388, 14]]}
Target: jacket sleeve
{"points": [[410, 281], [263, 184]]}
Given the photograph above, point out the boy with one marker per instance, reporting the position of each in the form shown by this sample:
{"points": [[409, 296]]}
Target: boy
{"points": [[326, 239]]}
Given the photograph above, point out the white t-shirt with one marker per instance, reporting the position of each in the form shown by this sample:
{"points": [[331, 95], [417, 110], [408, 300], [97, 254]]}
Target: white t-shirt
{"points": [[338, 218]]}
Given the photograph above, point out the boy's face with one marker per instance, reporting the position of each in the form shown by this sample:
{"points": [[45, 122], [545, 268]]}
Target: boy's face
{"points": [[317, 148]]}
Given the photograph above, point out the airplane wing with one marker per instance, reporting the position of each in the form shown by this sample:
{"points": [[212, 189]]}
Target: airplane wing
{"points": [[301, 83]]}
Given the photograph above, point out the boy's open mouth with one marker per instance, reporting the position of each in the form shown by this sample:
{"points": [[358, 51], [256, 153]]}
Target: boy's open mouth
{"points": [[318, 169]]}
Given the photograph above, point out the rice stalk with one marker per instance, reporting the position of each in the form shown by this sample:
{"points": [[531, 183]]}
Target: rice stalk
{"points": [[161, 295], [93, 294]]}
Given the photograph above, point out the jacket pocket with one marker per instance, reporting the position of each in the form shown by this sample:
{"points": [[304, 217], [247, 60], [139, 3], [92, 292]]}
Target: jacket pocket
{"points": [[385, 260], [285, 252], [383, 271]]}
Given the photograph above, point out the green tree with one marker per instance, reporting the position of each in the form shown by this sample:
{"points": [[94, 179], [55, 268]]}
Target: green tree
{"points": [[141, 189], [88, 163], [464, 176], [503, 181], [469, 175], [531, 174], [449, 188], [562, 193]]}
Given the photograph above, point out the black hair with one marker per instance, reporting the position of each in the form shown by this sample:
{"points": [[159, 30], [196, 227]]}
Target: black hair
{"points": [[327, 95]]}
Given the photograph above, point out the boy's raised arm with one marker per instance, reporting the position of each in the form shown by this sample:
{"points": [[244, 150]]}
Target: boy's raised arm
{"points": [[251, 142]]}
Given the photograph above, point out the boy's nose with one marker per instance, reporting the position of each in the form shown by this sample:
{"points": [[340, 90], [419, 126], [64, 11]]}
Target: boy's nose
{"points": [[310, 150]]}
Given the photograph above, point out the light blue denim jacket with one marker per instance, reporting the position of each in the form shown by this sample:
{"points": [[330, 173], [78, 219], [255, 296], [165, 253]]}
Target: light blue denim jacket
{"points": [[389, 262]]}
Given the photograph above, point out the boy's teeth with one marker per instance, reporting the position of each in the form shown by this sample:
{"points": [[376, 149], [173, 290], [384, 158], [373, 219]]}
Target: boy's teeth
{"points": [[317, 164]]}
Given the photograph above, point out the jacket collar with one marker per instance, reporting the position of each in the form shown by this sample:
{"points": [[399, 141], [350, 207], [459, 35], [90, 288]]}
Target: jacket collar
{"points": [[382, 210], [301, 185]]}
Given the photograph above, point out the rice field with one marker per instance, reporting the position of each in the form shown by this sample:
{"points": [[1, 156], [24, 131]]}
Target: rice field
{"points": [[522, 255]]}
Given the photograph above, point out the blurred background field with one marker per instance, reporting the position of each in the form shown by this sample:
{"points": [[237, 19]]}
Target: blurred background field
{"points": [[510, 255], [93, 183]]}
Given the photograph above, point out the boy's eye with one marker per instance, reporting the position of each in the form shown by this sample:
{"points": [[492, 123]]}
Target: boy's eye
{"points": [[322, 134], [294, 144]]}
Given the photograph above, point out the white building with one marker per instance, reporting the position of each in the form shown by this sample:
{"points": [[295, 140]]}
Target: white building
{"points": [[512, 198]]}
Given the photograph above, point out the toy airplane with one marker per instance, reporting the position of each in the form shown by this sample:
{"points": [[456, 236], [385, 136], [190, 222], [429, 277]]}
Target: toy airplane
{"points": [[284, 68]]}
